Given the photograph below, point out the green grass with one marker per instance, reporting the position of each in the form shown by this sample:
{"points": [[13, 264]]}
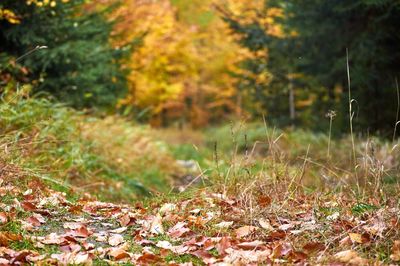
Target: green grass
{"points": [[47, 140]]}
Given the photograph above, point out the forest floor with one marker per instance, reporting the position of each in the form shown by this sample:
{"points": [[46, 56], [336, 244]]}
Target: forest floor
{"points": [[41, 226], [83, 190]]}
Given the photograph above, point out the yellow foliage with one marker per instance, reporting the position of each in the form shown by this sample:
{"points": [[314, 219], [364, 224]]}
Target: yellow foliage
{"points": [[181, 70], [10, 16], [248, 12], [44, 3]]}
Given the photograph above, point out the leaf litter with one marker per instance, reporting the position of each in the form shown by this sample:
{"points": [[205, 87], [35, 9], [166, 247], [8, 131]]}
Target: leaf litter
{"points": [[207, 229]]}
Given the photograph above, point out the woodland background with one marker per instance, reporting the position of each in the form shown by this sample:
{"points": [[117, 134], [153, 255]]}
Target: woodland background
{"points": [[199, 132], [196, 63]]}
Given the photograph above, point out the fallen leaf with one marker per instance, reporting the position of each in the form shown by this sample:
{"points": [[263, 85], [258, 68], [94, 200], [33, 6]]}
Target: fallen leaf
{"points": [[87, 245], [118, 254], [148, 258], [223, 245], [253, 245], [281, 250], [395, 256], [72, 225], [333, 217], [264, 201], [285, 227], [101, 236], [21, 257], [205, 256], [53, 238], [224, 224], [27, 192], [311, 247], [356, 238], [82, 231], [115, 240], [28, 206], [351, 257], [178, 230], [35, 258], [3, 217], [346, 241], [6, 237], [167, 208], [33, 221], [126, 220], [82, 258], [359, 238], [73, 247], [247, 257], [156, 226], [278, 234], [119, 230], [245, 230], [265, 224]]}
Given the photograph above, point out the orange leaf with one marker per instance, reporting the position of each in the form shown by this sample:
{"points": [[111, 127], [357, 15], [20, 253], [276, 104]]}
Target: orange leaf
{"points": [[245, 230], [395, 256], [3, 218], [6, 237]]}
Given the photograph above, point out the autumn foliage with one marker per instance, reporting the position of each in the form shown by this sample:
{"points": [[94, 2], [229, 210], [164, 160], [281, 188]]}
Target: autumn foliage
{"points": [[182, 70]]}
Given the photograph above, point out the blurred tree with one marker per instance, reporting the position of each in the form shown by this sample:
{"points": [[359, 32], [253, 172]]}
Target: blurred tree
{"points": [[309, 58], [369, 30], [269, 76], [181, 72], [79, 67]]}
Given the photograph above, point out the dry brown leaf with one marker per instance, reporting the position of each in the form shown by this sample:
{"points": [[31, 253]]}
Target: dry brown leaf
{"points": [[223, 245], [3, 217], [156, 226], [28, 206], [356, 238], [167, 208], [253, 245], [264, 201], [395, 256], [359, 238], [118, 254], [72, 225], [6, 238], [311, 247], [245, 230], [346, 241], [278, 234], [35, 258], [72, 247], [351, 257], [205, 256], [178, 230], [265, 224], [281, 250], [82, 258], [224, 224], [53, 238], [247, 257], [119, 230], [148, 258], [21, 257], [82, 231], [33, 221], [126, 220], [115, 240]]}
